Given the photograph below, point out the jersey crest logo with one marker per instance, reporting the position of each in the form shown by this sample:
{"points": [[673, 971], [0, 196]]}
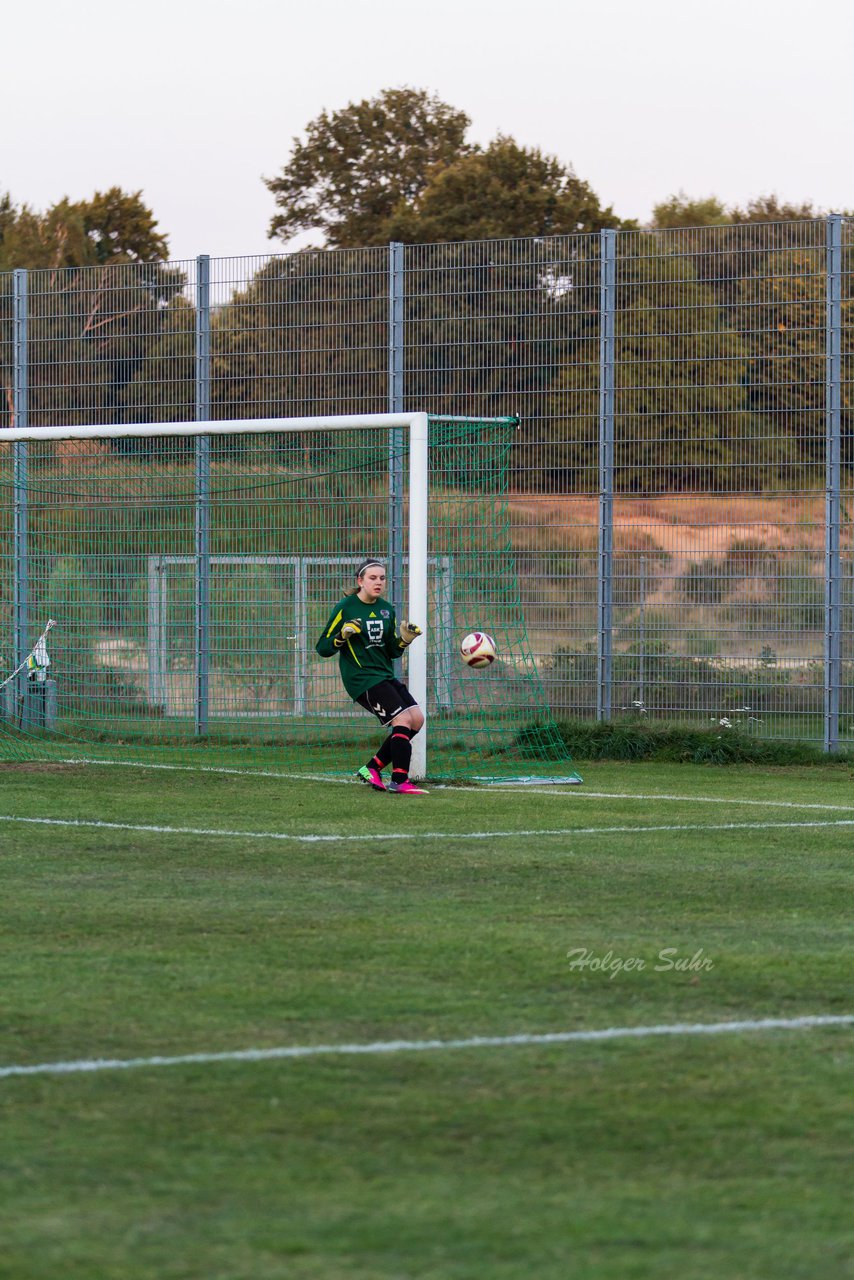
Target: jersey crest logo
{"points": [[385, 613], [375, 631]]}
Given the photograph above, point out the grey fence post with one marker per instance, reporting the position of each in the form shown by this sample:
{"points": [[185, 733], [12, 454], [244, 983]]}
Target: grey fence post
{"points": [[20, 523], [833, 496], [396, 519], [202, 514], [607, 308]]}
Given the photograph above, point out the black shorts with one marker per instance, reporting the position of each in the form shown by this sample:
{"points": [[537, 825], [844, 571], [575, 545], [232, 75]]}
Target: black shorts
{"points": [[386, 700]]}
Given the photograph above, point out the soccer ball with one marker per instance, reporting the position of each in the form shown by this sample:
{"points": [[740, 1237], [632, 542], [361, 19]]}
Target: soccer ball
{"points": [[478, 649]]}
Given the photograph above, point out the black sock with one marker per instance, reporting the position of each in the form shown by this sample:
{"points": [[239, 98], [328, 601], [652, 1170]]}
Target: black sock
{"points": [[401, 752], [383, 756]]}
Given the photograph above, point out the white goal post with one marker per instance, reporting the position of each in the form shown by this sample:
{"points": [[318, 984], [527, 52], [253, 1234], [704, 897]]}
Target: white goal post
{"points": [[415, 424]]}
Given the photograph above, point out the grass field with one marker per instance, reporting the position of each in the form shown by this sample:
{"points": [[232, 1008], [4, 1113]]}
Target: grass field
{"points": [[379, 924]]}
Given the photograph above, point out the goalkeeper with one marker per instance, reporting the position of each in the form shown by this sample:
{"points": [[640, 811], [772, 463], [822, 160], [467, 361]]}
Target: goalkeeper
{"points": [[361, 630]]}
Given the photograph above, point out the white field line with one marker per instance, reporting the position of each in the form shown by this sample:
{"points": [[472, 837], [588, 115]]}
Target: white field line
{"points": [[422, 1046], [506, 790], [205, 768], [625, 795], [383, 836]]}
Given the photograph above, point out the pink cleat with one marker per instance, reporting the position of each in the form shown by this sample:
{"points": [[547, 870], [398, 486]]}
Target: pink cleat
{"points": [[406, 788], [372, 776]]}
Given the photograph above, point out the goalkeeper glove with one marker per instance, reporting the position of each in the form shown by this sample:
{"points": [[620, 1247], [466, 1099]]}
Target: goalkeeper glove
{"points": [[350, 629], [408, 632]]}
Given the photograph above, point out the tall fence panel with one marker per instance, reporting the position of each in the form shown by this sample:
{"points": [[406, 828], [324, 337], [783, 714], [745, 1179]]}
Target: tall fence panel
{"points": [[516, 323], [300, 335], [680, 493], [720, 450], [7, 418], [111, 344], [846, 559]]}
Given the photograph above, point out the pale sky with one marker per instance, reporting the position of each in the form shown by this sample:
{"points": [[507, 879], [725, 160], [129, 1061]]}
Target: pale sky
{"points": [[194, 102]]}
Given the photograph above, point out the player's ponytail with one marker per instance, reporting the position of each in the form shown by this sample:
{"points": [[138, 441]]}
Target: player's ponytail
{"points": [[366, 564]]}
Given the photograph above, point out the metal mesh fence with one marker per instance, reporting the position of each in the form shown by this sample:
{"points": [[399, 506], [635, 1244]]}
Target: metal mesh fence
{"points": [[718, 558], [301, 335], [110, 344], [846, 485], [680, 487]]}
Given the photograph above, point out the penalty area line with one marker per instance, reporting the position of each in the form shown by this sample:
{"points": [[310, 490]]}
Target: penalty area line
{"points": [[385, 836], [423, 1046]]}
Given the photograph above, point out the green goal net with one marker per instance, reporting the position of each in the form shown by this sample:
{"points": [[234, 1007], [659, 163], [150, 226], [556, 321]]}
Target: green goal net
{"points": [[187, 572]]}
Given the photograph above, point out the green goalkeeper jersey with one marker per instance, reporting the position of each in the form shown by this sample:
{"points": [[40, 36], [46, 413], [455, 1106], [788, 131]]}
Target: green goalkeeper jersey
{"points": [[364, 660]]}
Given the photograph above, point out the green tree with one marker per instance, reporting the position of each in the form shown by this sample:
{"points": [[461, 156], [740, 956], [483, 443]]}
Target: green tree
{"points": [[773, 209], [501, 192], [683, 419], [765, 263], [98, 293], [682, 211], [356, 166], [306, 336], [730, 245], [90, 331], [121, 228], [113, 227], [781, 312], [8, 215], [162, 387]]}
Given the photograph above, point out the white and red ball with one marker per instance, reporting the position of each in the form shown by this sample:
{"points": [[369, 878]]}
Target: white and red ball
{"points": [[478, 650]]}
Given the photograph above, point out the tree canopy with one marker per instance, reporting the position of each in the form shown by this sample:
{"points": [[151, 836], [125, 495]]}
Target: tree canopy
{"points": [[398, 167], [501, 192], [682, 210], [100, 297], [114, 226], [357, 164]]}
